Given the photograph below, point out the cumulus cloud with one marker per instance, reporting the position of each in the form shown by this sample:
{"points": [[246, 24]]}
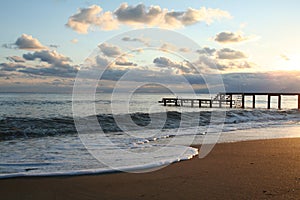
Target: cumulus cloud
{"points": [[230, 54], [17, 59], [110, 50], [207, 51], [230, 37], [156, 16], [51, 64], [222, 59], [92, 16], [153, 16], [123, 61], [51, 57], [101, 61], [26, 42], [180, 67]]}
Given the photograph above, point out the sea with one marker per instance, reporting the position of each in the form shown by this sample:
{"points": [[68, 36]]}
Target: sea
{"points": [[40, 135]]}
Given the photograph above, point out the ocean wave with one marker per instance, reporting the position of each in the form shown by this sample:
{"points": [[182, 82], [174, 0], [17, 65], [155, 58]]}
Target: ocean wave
{"points": [[26, 127]]}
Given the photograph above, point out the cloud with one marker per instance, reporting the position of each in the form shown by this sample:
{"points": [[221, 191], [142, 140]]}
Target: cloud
{"points": [[51, 57], [26, 42], [230, 37], [82, 21], [56, 70], [51, 64], [15, 59], [180, 67], [74, 41], [168, 47], [102, 61], [152, 16], [192, 16], [230, 54], [138, 14], [207, 51], [284, 57], [110, 50], [54, 46], [224, 60], [141, 40], [261, 82], [184, 50], [156, 16], [125, 63], [11, 66]]}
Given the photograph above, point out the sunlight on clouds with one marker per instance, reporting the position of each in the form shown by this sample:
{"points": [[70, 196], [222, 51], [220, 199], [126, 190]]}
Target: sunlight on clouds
{"points": [[85, 17], [140, 15], [26, 42], [227, 37]]}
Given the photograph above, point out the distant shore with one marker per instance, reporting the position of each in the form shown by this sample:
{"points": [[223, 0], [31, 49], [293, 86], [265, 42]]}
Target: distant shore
{"points": [[260, 169]]}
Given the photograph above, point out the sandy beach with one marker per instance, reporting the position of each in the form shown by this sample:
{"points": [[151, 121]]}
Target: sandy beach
{"points": [[263, 169]]}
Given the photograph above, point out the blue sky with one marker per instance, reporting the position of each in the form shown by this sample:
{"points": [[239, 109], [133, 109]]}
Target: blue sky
{"points": [[268, 31]]}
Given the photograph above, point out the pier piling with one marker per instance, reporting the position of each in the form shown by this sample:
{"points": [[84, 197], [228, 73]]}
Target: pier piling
{"points": [[269, 101], [298, 101], [230, 103], [243, 100], [279, 102], [253, 101]]}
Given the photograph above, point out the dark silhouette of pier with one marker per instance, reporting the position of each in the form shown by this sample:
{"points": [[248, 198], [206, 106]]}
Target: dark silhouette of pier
{"points": [[226, 100]]}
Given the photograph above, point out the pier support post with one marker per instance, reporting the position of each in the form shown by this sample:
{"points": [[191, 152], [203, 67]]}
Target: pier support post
{"points": [[269, 101], [200, 103], [243, 101], [210, 103], [176, 102], [230, 96], [253, 101], [298, 101], [165, 102], [279, 102], [192, 103]]}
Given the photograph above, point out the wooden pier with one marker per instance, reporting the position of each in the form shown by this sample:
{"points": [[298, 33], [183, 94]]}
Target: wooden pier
{"points": [[227, 100]]}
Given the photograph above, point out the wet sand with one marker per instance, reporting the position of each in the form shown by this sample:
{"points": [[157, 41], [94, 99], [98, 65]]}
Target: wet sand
{"points": [[262, 169]]}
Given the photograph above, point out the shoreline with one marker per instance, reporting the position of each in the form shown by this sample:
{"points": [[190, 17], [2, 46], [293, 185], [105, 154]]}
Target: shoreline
{"points": [[257, 169], [225, 138]]}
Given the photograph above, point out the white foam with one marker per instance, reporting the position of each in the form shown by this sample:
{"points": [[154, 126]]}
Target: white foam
{"points": [[189, 154]]}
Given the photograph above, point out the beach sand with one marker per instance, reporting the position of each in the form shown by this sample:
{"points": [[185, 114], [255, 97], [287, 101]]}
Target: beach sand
{"points": [[263, 169]]}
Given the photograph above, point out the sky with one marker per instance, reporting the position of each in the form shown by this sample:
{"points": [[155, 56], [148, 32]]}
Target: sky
{"points": [[253, 45]]}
